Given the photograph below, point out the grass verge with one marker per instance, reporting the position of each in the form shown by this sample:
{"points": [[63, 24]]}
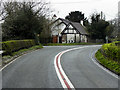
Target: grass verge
{"points": [[68, 44], [6, 59], [112, 65]]}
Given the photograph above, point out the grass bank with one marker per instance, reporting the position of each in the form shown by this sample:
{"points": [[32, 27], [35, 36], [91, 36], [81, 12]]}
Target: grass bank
{"points": [[68, 44], [110, 64], [8, 58]]}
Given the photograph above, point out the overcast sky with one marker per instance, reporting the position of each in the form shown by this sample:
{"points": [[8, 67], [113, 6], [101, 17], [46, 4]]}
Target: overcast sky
{"points": [[63, 7]]}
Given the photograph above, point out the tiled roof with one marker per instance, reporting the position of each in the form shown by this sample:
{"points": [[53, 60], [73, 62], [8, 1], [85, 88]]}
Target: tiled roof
{"points": [[79, 27], [64, 21], [76, 25]]}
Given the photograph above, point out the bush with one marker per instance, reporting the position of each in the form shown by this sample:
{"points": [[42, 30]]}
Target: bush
{"points": [[111, 50], [14, 45], [110, 64]]}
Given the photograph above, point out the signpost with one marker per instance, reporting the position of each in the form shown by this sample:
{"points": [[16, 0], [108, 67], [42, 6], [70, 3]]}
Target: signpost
{"points": [[106, 39]]}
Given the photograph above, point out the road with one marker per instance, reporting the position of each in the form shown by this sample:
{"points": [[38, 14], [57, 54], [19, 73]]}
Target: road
{"points": [[36, 70]]}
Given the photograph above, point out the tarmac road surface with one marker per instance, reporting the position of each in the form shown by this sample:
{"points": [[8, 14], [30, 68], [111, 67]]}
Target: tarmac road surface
{"points": [[36, 69]]}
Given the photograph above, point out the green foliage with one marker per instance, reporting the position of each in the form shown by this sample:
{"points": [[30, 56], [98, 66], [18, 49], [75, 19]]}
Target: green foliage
{"points": [[109, 30], [8, 58], [22, 23], [112, 50], [75, 16], [97, 27], [24, 20], [14, 45], [36, 47], [28, 49], [108, 63], [46, 31]]}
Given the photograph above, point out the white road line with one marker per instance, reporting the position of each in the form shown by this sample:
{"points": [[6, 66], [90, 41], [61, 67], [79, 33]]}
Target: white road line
{"points": [[59, 67], [65, 76], [9, 64], [108, 71], [57, 71]]}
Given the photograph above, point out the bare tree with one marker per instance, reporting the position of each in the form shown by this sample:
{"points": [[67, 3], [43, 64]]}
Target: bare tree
{"points": [[1, 10], [40, 7]]}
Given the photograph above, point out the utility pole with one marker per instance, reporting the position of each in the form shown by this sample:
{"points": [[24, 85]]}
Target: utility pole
{"points": [[106, 39], [101, 15]]}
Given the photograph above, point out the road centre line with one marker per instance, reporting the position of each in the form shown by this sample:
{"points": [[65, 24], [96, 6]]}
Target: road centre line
{"points": [[66, 83]]}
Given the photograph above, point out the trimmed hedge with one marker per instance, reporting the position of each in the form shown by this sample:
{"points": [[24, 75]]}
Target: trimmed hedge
{"points": [[14, 45], [111, 50]]}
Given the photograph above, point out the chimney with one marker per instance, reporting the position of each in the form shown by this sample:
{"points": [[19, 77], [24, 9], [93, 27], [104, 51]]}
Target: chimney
{"points": [[54, 17], [82, 23]]}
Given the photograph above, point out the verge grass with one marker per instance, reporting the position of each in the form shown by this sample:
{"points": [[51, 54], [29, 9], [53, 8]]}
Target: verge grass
{"points": [[110, 64], [8, 58], [68, 44]]}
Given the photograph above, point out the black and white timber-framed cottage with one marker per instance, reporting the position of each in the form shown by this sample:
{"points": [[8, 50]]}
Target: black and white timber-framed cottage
{"points": [[69, 32]]}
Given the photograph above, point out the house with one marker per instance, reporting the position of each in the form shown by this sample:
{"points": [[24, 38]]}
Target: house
{"points": [[68, 32]]}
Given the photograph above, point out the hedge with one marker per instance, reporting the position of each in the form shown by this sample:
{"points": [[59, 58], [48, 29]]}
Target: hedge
{"points": [[14, 45], [112, 50], [107, 63]]}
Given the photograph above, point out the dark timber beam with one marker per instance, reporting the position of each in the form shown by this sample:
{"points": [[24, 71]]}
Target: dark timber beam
{"points": [[75, 38]]}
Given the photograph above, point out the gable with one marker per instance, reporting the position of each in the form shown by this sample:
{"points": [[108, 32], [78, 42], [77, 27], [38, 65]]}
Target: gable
{"points": [[79, 28], [64, 26], [70, 30], [70, 27], [58, 27]]}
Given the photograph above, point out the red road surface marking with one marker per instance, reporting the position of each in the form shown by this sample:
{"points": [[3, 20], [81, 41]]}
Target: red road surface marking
{"points": [[66, 83]]}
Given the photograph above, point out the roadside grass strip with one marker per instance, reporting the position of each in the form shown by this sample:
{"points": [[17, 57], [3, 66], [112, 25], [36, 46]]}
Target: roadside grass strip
{"points": [[69, 44], [112, 65]]}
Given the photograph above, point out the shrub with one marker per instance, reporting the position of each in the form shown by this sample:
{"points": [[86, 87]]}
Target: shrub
{"points": [[111, 50], [14, 45], [110, 64]]}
